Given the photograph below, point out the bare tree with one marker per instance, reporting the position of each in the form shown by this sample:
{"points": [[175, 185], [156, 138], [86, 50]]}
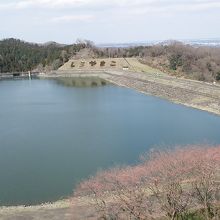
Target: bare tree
{"points": [[168, 183]]}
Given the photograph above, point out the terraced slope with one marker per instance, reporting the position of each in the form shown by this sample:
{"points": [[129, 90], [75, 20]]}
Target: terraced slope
{"points": [[127, 64]]}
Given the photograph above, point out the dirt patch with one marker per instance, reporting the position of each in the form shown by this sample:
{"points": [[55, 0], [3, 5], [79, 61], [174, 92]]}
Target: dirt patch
{"points": [[60, 210], [54, 211]]}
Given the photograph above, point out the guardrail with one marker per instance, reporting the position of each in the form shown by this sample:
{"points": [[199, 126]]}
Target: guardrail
{"points": [[18, 75]]}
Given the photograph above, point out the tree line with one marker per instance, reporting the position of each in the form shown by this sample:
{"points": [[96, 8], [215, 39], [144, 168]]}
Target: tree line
{"points": [[19, 56], [199, 63]]}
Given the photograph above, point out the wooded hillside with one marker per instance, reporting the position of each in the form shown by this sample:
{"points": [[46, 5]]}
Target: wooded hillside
{"points": [[200, 63], [175, 58], [18, 56]]}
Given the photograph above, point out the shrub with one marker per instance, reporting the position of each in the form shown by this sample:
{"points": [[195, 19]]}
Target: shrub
{"points": [[102, 63], [175, 61], [218, 76]]}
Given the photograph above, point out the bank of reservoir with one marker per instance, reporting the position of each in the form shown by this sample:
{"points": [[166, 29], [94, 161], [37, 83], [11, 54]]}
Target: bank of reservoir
{"points": [[52, 135]]}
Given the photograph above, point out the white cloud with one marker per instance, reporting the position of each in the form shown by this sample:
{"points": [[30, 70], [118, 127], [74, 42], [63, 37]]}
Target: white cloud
{"points": [[108, 4], [197, 5], [111, 19], [23, 4], [71, 18]]}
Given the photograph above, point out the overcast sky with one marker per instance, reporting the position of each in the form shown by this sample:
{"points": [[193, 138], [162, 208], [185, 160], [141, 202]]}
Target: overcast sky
{"points": [[106, 21]]}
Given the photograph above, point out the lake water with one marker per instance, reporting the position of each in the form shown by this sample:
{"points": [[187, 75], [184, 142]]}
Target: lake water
{"points": [[52, 136]]}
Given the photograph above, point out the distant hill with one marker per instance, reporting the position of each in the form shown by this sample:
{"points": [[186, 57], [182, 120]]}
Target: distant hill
{"points": [[18, 56], [212, 42], [53, 43]]}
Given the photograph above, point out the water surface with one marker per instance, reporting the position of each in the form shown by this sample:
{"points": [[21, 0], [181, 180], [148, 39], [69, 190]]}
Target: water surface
{"points": [[52, 136]]}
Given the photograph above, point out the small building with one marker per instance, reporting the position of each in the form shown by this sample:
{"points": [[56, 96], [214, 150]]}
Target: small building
{"points": [[125, 68]]}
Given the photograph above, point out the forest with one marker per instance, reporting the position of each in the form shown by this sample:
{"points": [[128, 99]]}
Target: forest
{"points": [[175, 58], [19, 56]]}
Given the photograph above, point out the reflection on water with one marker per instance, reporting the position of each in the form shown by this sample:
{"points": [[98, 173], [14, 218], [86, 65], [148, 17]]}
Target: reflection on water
{"points": [[82, 81], [53, 136]]}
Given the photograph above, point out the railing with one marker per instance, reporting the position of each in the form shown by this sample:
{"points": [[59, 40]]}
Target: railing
{"points": [[19, 74]]}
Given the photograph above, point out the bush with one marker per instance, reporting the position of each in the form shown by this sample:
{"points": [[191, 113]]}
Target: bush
{"points": [[56, 64], [218, 76], [175, 61]]}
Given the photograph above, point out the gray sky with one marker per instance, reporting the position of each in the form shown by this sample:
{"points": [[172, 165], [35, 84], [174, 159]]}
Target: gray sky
{"points": [[106, 21]]}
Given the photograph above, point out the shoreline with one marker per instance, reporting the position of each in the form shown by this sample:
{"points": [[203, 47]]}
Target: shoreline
{"points": [[190, 93], [56, 210], [205, 109], [52, 205]]}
